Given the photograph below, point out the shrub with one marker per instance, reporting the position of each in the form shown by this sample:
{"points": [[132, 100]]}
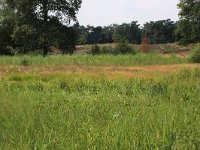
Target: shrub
{"points": [[107, 50], [95, 49], [144, 45], [124, 48], [195, 58]]}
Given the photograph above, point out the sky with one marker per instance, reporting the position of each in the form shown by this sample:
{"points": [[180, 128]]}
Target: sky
{"points": [[106, 12]]}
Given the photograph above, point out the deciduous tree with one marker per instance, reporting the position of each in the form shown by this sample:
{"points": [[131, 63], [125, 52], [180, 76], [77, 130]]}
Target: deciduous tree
{"points": [[189, 24], [47, 17]]}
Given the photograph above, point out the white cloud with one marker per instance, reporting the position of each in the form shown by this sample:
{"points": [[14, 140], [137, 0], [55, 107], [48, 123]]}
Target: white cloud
{"points": [[105, 12]]}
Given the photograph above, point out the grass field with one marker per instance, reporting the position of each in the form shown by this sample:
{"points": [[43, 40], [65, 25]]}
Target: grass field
{"points": [[100, 102], [99, 60]]}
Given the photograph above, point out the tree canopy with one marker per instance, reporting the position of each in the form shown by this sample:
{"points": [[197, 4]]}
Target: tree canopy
{"points": [[189, 24], [162, 31], [39, 23]]}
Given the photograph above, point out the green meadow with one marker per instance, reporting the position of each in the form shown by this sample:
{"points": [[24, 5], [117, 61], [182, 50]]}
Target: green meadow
{"points": [[97, 60], [104, 86], [71, 111]]}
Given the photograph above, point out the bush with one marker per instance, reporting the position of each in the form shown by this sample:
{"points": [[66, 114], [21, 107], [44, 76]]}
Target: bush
{"points": [[144, 46], [107, 50], [195, 58], [124, 48], [95, 49]]}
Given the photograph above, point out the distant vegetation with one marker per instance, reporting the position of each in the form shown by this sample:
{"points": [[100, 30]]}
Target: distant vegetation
{"points": [[121, 48], [33, 28], [126, 87], [162, 31]]}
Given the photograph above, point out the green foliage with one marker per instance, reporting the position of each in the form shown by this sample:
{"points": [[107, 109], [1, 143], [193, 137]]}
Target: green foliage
{"points": [[37, 24], [107, 50], [195, 58], [108, 34], [66, 41], [40, 112], [189, 25], [26, 38], [95, 49], [7, 21], [162, 31], [124, 48], [130, 32], [81, 34], [96, 34], [184, 32]]}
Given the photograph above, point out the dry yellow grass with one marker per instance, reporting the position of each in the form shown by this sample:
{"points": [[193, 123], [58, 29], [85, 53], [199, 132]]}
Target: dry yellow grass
{"points": [[107, 71], [178, 50]]}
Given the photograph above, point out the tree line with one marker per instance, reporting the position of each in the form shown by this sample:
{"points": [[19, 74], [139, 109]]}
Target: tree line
{"points": [[162, 31], [30, 25]]}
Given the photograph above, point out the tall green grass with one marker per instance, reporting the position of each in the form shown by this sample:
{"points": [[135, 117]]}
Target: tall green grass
{"points": [[67, 111], [122, 60]]}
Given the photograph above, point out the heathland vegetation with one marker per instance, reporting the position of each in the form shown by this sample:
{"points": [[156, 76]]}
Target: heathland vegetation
{"points": [[122, 86]]}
